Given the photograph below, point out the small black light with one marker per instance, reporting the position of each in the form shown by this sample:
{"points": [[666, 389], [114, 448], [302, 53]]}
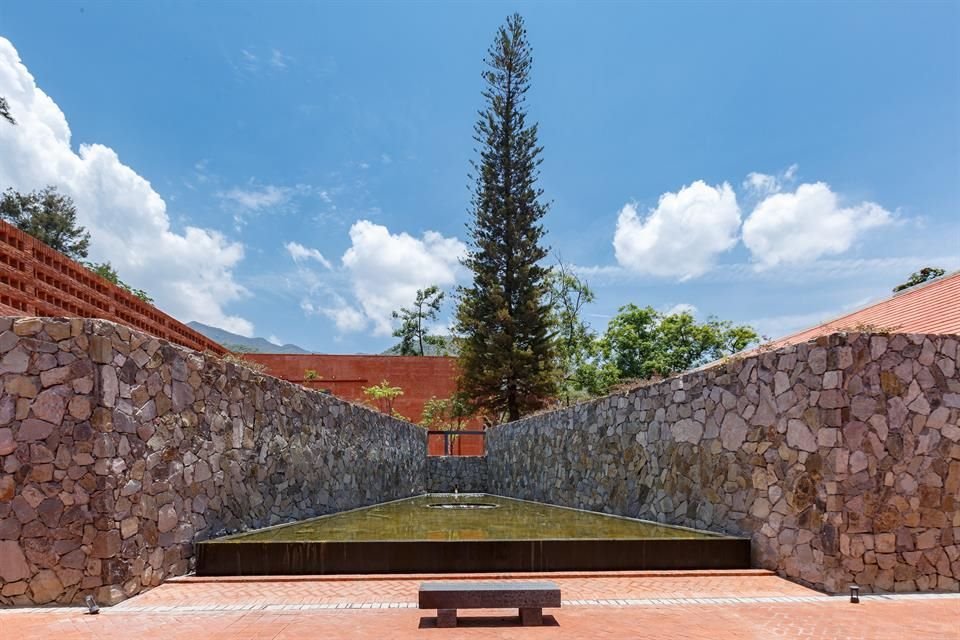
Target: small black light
{"points": [[92, 607], [854, 594]]}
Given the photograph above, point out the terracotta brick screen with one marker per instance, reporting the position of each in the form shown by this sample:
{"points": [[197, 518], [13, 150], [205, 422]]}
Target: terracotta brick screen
{"points": [[35, 280], [344, 376]]}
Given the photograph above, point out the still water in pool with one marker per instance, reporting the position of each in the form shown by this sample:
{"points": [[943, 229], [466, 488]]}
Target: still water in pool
{"points": [[465, 517]]}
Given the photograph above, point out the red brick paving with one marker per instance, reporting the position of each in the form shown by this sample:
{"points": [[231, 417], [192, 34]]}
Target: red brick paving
{"points": [[813, 616], [360, 589]]}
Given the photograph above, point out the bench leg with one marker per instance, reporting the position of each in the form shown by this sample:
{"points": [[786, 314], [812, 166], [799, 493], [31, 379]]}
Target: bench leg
{"points": [[446, 617], [531, 616]]}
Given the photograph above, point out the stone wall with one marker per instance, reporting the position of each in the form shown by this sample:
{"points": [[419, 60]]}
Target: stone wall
{"points": [[840, 458], [119, 450], [466, 474]]}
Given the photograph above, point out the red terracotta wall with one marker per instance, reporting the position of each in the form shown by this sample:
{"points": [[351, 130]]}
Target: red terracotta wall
{"points": [[421, 378], [35, 280], [463, 445]]}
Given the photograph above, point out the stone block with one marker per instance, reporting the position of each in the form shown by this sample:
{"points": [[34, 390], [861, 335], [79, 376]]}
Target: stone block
{"points": [[13, 562]]}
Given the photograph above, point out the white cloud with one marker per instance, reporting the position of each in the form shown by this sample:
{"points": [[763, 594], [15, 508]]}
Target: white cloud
{"points": [[278, 60], [275, 340], [761, 185], [189, 274], [252, 62], [386, 269], [682, 236], [800, 226], [300, 253], [683, 307], [247, 202], [256, 198], [347, 318], [249, 61]]}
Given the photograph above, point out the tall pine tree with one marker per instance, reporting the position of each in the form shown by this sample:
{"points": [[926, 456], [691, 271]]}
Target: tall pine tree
{"points": [[506, 355]]}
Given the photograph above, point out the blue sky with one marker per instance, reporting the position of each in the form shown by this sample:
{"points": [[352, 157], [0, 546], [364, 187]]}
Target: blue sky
{"points": [[297, 170]]}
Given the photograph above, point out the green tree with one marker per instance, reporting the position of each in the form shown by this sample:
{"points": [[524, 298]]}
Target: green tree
{"points": [[641, 343], [48, 216], [413, 331], [445, 414], [506, 346], [5, 111], [925, 274], [575, 341], [630, 342], [106, 271], [383, 396]]}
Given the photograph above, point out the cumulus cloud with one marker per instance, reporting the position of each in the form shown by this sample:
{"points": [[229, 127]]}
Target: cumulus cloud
{"points": [[300, 253], [682, 236], [386, 269], [379, 273], [189, 274], [346, 318], [803, 225]]}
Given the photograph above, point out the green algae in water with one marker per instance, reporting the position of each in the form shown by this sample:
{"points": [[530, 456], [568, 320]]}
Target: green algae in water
{"points": [[466, 517]]}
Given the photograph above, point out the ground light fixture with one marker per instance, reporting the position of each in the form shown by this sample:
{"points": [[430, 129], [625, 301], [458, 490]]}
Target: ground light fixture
{"points": [[92, 607], [855, 594]]}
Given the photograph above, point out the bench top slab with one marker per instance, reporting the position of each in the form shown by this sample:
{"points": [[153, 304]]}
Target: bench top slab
{"points": [[489, 585], [488, 595]]}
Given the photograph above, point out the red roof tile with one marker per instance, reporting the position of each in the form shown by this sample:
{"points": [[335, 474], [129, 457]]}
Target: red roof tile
{"points": [[932, 307]]}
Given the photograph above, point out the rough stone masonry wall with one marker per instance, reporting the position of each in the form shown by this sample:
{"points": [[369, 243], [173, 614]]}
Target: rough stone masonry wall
{"points": [[840, 458], [466, 474], [119, 450]]}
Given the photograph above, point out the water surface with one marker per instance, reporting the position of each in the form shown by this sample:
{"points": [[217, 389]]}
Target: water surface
{"points": [[440, 517]]}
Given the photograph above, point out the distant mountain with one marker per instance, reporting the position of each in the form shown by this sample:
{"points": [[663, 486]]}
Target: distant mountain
{"points": [[238, 343], [449, 348]]}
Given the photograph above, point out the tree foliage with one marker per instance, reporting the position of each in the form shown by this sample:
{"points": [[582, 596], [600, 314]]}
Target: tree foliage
{"points": [[5, 111], [575, 342], [383, 396], [413, 331], [445, 414], [924, 275], [641, 343], [106, 271], [506, 346], [48, 216]]}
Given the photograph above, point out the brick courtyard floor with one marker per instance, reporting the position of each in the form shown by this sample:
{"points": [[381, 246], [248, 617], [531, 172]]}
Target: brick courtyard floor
{"points": [[680, 605]]}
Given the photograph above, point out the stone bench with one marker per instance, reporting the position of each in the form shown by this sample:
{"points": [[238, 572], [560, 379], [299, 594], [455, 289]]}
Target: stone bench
{"points": [[529, 597]]}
